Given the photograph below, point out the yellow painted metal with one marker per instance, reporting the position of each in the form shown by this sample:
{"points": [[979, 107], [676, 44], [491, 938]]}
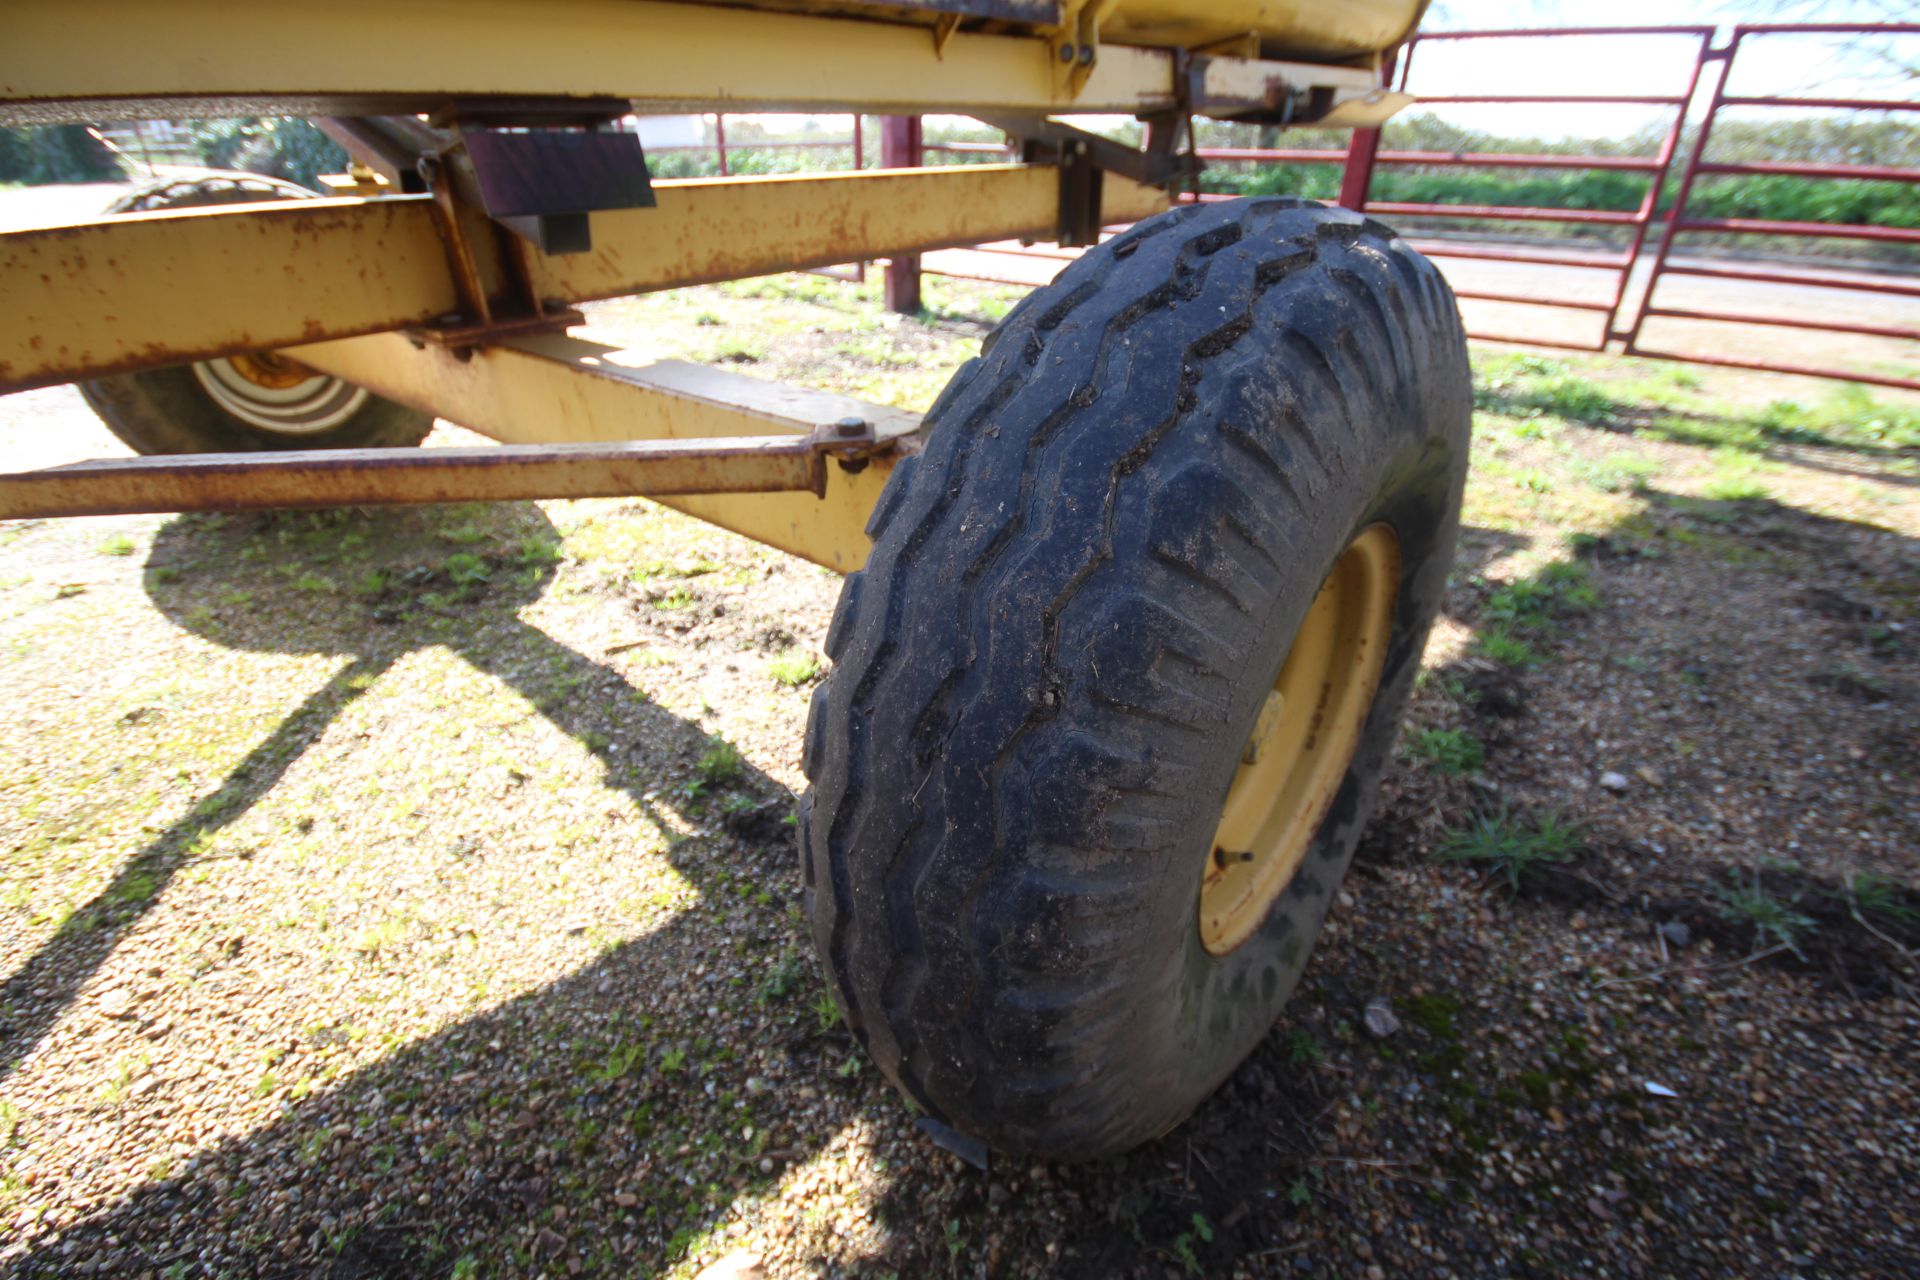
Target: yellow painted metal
{"points": [[1225, 82], [109, 296], [1303, 742], [706, 229], [392, 55], [1284, 28], [163, 288], [389, 477], [549, 388]]}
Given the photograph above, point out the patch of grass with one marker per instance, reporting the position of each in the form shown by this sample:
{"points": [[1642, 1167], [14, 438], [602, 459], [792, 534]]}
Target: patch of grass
{"points": [[1501, 645], [1452, 751], [675, 598], [1183, 1244], [1878, 895], [618, 1061], [740, 351], [1773, 921], [466, 569], [118, 545], [1736, 489], [699, 567], [783, 979], [466, 533], [1512, 845], [794, 669], [385, 935], [1616, 473], [538, 553], [721, 764], [138, 886]]}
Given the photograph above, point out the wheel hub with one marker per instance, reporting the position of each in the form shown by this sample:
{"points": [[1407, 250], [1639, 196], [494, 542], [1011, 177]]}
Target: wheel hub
{"points": [[1303, 742], [273, 393]]}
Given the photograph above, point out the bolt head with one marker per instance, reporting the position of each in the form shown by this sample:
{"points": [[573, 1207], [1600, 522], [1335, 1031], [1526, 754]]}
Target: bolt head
{"points": [[851, 427], [1086, 55], [1066, 53]]}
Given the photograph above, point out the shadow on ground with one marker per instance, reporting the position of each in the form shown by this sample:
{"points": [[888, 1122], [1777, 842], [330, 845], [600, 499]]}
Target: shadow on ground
{"points": [[512, 1137]]}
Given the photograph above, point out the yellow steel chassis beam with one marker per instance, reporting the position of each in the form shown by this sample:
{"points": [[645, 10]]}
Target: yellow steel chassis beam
{"points": [[369, 57], [552, 389], [113, 295], [329, 281]]}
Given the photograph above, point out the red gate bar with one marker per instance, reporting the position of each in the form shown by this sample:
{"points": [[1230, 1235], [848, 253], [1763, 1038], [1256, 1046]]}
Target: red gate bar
{"points": [[1678, 223], [1360, 158]]}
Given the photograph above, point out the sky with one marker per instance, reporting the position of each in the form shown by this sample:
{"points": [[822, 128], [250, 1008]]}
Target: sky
{"points": [[1633, 65], [1650, 66]]}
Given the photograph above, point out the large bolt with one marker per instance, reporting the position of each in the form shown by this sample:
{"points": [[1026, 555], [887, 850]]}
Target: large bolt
{"points": [[850, 427], [1066, 53]]}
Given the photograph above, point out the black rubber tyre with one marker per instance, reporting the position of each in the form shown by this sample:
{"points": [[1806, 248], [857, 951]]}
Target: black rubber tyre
{"points": [[173, 411], [1077, 600]]}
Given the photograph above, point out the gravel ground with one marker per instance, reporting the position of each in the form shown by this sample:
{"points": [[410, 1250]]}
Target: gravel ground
{"points": [[413, 894]]}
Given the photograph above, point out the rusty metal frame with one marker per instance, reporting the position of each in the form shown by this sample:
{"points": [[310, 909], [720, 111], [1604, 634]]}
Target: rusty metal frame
{"points": [[104, 297], [375, 57], [395, 477], [447, 289]]}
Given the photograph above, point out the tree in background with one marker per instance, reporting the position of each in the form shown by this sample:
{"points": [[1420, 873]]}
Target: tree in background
{"points": [[277, 146], [55, 153]]}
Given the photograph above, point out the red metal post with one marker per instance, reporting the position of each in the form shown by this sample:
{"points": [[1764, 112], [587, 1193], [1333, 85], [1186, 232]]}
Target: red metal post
{"points": [[1650, 205], [720, 140], [1685, 186], [900, 148], [1357, 178]]}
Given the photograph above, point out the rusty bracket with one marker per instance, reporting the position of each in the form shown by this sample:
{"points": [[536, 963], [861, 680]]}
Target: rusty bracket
{"points": [[1076, 45], [850, 441], [1285, 102], [1082, 157], [464, 338]]}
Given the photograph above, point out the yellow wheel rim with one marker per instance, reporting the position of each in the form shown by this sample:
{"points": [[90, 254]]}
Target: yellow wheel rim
{"points": [[271, 370], [1300, 748]]}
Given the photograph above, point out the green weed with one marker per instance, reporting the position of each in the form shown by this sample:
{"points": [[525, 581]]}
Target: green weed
{"points": [[465, 569], [1452, 751], [1512, 845], [1183, 1244], [118, 545], [1770, 918], [721, 764], [1878, 895], [794, 669], [1501, 645]]}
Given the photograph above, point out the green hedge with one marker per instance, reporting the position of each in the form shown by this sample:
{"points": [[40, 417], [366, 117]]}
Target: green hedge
{"points": [[1884, 204]]}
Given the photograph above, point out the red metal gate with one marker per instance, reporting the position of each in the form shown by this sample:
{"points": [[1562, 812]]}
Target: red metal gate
{"points": [[1633, 275], [1680, 223]]}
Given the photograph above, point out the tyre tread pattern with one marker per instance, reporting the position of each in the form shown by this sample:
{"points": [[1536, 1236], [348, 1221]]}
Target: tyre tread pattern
{"points": [[975, 919]]}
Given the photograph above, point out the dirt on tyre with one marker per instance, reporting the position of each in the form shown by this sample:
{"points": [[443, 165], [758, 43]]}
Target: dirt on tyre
{"points": [[241, 403], [1110, 700]]}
